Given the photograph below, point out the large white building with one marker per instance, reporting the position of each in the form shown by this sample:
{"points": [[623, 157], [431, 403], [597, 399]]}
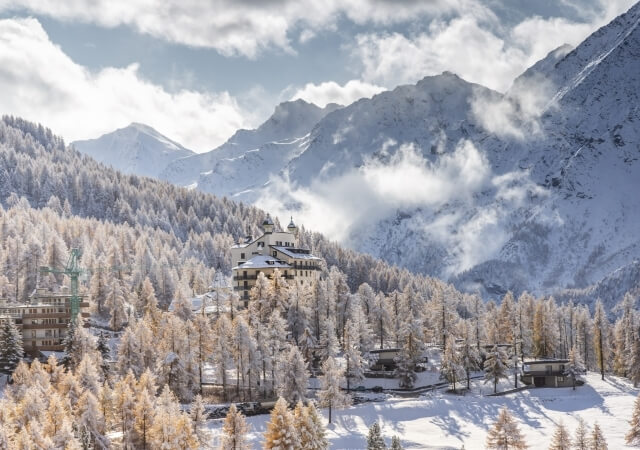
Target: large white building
{"points": [[273, 250]]}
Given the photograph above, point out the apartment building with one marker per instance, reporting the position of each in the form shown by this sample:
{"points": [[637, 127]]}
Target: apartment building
{"points": [[43, 320]]}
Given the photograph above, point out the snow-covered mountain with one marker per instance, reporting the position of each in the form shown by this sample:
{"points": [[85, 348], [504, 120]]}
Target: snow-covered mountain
{"points": [[243, 164], [136, 149], [534, 189]]}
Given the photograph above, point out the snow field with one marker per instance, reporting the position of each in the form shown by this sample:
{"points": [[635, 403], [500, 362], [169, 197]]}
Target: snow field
{"points": [[444, 421]]}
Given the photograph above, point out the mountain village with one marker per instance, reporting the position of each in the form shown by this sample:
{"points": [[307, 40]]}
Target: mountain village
{"points": [[481, 290]]}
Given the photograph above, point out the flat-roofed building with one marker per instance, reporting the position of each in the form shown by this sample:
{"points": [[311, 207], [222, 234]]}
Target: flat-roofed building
{"points": [[43, 320]]}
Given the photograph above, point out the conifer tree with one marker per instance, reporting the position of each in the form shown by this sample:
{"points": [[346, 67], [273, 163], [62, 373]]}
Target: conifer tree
{"points": [[294, 376], [144, 413], [374, 438], [395, 443], [575, 368], [222, 351], [469, 355], [600, 325], [330, 394], [319, 441], [91, 420], [496, 366], [234, 430], [505, 433], [281, 433], [11, 351], [561, 439], [633, 435], [199, 418], [354, 370], [597, 440], [451, 368], [634, 361]]}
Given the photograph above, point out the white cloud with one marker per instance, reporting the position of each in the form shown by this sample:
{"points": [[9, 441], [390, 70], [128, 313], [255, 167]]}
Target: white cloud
{"points": [[464, 206], [473, 45], [371, 192], [232, 26], [331, 92], [41, 83]]}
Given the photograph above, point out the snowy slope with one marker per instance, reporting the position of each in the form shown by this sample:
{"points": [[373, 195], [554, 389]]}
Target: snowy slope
{"points": [[136, 149], [249, 157], [444, 421]]}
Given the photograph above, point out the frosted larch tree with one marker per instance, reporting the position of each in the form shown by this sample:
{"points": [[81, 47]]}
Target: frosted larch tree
{"points": [[451, 368], [354, 370], [330, 394], [633, 435], [560, 439], [634, 362], [294, 376], [328, 338], [496, 366], [281, 433], [234, 430], [505, 433], [600, 326], [199, 419], [91, 419], [144, 413], [222, 351], [597, 440], [469, 354], [319, 441]]}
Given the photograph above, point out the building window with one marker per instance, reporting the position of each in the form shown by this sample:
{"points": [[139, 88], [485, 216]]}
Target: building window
{"points": [[241, 255], [275, 253]]}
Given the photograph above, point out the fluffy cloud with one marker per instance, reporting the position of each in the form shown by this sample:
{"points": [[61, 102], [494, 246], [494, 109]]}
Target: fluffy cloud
{"points": [[369, 193], [43, 84], [232, 26], [331, 92], [473, 45]]}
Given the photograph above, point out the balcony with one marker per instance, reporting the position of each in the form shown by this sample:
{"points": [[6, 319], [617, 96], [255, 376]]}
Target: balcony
{"points": [[64, 315], [245, 277], [44, 326]]}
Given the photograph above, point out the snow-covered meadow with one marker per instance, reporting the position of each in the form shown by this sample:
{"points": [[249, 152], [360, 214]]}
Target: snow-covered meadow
{"points": [[439, 420]]}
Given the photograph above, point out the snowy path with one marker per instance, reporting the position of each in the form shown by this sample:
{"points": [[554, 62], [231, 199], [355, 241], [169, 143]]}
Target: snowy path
{"points": [[444, 421]]}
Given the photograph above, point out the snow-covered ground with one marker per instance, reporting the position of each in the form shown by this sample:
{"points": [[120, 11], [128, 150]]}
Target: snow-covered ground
{"points": [[444, 421]]}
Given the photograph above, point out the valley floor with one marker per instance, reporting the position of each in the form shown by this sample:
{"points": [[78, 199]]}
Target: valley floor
{"points": [[444, 421]]}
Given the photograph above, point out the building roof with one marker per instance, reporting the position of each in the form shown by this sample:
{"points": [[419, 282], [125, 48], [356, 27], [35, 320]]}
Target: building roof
{"points": [[297, 253], [267, 220], [545, 361], [263, 262], [291, 224]]}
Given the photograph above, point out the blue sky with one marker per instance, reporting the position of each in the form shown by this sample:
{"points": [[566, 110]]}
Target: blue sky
{"points": [[197, 71]]}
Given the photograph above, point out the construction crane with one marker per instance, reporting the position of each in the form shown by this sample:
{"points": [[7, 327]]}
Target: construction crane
{"points": [[73, 270]]}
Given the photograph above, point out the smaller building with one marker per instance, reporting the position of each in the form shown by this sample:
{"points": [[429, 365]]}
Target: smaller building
{"points": [[546, 373], [384, 359]]}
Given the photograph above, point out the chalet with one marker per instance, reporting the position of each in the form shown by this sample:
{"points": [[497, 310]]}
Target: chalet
{"points": [[273, 250], [546, 373]]}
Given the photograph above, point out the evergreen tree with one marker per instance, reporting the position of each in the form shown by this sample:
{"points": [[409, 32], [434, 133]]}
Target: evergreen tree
{"points": [[330, 394], [597, 440], [144, 413], [469, 355], [319, 441], [505, 433], [451, 368], [91, 420], [560, 439], [496, 366], [633, 435], [574, 368], [374, 438], [11, 351], [634, 361], [281, 433], [395, 443], [234, 430]]}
